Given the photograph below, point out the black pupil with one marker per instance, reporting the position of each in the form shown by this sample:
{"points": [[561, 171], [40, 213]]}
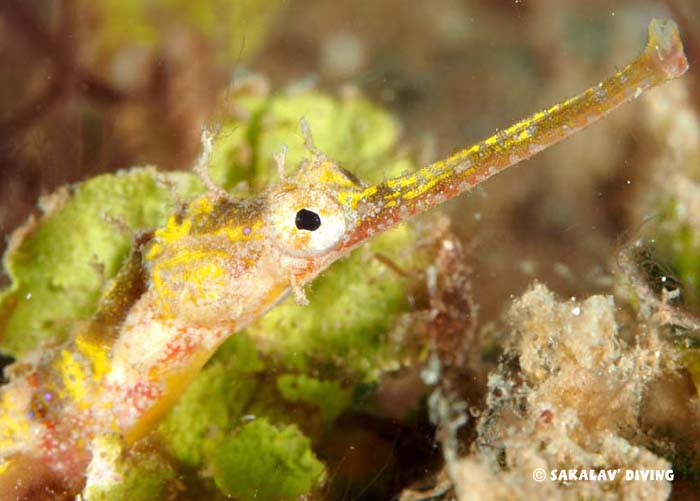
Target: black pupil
{"points": [[307, 220]]}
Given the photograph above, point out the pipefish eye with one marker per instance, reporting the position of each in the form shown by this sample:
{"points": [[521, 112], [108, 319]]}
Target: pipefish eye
{"points": [[306, 222]]}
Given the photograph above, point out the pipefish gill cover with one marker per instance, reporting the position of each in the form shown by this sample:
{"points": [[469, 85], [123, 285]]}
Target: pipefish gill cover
{"points": [[156, 355]]}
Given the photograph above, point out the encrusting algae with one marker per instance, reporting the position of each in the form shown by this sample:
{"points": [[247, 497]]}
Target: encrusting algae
{"points": [[220, 263]]}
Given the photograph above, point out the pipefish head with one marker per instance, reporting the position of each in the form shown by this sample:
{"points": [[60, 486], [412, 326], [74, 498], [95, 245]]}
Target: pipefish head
{"points": [[324, 211]]}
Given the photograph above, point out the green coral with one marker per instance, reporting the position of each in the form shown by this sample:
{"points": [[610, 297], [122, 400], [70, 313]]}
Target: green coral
{"points": [[59, 268], [266, 462], [330, 397], [367, 145]]}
